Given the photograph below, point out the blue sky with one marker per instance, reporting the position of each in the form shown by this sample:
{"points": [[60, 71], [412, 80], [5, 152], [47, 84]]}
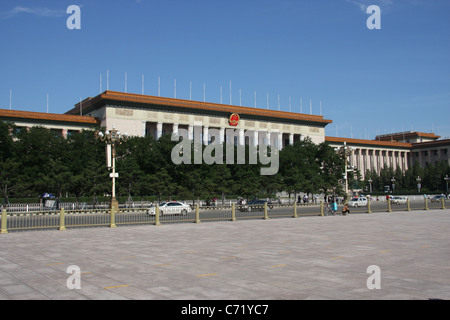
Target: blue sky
{"points": [[368, 81]]}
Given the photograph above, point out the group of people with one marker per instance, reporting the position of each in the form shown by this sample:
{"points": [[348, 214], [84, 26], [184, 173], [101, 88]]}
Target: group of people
{"points": [[334, 208], [315, 199]]}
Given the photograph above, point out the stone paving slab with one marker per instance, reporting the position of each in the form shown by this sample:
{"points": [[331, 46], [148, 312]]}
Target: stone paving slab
{"points": [[278, 259]]}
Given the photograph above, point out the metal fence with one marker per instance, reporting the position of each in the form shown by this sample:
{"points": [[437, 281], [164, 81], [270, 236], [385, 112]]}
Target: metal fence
{"points": [[105, 217]]}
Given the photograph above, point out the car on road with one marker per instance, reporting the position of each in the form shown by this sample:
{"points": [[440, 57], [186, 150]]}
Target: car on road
{"points": [[358, 202], [171, 207], [438, 198], [398, 200], [255, 205]]}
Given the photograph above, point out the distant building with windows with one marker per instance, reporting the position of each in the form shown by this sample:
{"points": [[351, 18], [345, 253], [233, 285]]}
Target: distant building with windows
{"points": [[142, 115], [61, 124]]}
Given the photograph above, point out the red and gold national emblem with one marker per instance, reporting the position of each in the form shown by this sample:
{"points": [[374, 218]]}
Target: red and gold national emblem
{"points": [[234, 120]]}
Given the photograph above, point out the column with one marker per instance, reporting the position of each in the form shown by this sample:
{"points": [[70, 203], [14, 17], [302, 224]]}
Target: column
{"points": [[159, 129], [191, 132], [255, 138], [175, 128], [205, 136], [222, 135], [291, 139], [360, 165], [268, 136], [280, 140], [241, 137], [406, 161], [144, 128]]}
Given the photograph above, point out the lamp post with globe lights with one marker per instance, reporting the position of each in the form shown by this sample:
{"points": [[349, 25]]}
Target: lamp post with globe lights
{"points": [[418, 179], [346, 151], [112, 138]]}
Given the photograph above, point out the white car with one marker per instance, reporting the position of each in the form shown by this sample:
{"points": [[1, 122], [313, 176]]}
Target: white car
{"points": [[172, 207], [358, 202], [398, 200]]}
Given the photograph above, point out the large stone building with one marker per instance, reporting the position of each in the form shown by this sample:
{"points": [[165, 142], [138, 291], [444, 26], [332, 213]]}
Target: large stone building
{"points": [[141, 115]]}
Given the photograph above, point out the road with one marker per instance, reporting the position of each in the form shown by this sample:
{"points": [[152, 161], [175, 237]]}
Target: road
{"points": [[51, 220]]}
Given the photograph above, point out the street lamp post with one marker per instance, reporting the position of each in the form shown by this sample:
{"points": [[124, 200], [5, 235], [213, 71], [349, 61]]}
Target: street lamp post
{"points": [[446, 178], [346, 152], [112, 138], [370, 184], [393, 185], [418, 179]]}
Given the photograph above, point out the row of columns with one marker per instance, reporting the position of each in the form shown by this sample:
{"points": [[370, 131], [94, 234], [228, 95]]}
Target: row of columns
{"points": [[375, 159], [222, 133]]}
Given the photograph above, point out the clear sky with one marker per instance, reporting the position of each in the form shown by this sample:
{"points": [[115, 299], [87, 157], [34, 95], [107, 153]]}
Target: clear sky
{"points": [[368, 81]]}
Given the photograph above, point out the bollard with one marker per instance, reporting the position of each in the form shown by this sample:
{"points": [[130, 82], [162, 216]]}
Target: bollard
{"points": [[62, 219], [233, 212], [266, 216], [368, 206], [389, 205], [197, 214], [321, 208], [157, 223], [295, 210], [113, 217], [443, 203], [426, 203], [408, 207], [3, 229]]}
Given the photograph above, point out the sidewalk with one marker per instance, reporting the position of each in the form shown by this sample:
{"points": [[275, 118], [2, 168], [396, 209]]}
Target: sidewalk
{"points": [[278, 259]]}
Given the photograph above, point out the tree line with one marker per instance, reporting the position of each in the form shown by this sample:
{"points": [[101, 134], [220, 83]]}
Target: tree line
{"points": [[37, 160]]}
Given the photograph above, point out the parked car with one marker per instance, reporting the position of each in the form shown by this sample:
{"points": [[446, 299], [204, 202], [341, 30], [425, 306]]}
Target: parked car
{"points": [[398, 200], [358, 202], [172, 207], [255, 205], [438, 198]]}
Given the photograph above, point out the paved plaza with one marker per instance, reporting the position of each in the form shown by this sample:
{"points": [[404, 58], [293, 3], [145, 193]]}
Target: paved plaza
{"points": [[276, 259]]}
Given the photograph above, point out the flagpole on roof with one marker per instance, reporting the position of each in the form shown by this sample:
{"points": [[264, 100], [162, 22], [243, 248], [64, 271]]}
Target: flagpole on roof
{"points": [[159, 86], [240, 97], [231, 101]]}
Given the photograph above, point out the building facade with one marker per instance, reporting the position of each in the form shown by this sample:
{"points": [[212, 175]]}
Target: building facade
{"points": [[140, 115]]}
